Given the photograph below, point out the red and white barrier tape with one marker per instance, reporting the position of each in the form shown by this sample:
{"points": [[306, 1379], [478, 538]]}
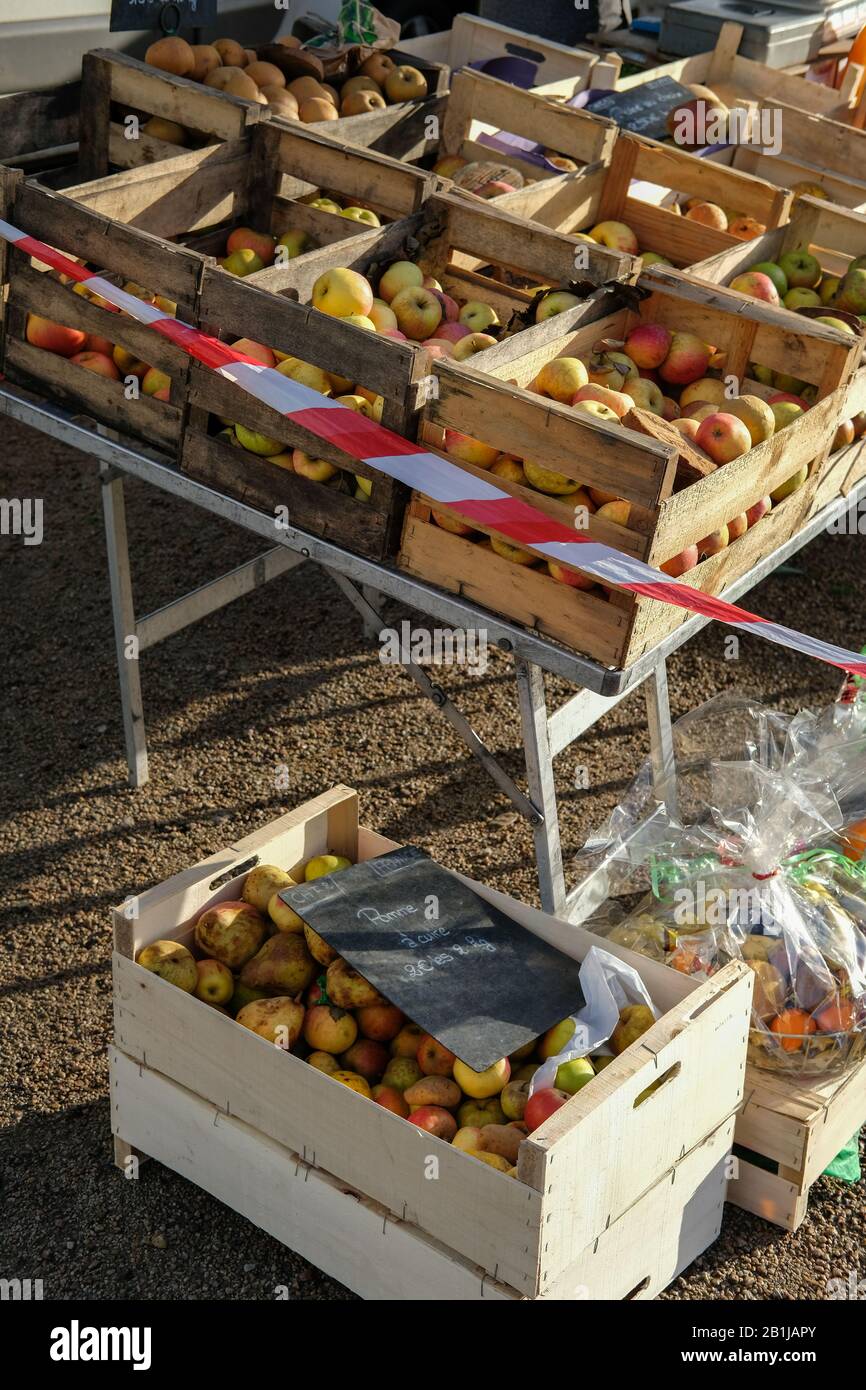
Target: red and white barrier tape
{"points": [[431, 475]]}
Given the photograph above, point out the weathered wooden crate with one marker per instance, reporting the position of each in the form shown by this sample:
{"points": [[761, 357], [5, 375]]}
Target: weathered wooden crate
{"points": [[577, 202], [642, 468], [473, 40], [452, 239], [115, 86], [734, 78], [787, 1132], [247, 1122], [124, 254], [39, 130]]}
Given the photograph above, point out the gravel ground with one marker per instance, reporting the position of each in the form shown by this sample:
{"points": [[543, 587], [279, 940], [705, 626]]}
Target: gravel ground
{"points": [[280, 678]]}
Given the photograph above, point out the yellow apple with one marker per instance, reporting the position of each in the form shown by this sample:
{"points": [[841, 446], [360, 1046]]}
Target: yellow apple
{"points": [[307, 375], [480, 1085], [561, 379], [516, 554], [546, 480], [402, 275], [325, 864], [340, 292], [361, 215], [602, 411], [616, 236], [257, 443], [317, 470]]}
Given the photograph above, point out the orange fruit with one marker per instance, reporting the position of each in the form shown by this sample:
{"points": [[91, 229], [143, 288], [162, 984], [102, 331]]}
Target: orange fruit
{"points": [[854, 839], [790, 1026]]}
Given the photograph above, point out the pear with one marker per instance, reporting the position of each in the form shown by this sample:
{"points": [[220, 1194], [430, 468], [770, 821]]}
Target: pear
{"points": [[279, 1020], [282, 966], [348, 989], [318, 948], [231, 932], [634, 1020], [262, 882], [172, 962]]}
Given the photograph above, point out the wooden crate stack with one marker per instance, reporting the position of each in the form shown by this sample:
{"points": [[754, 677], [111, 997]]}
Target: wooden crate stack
{"points": [[452, 239], [343, 1181], [642, 464]]}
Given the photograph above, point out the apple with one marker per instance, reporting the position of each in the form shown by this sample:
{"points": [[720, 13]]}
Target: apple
{"points": [[172, 962], [257, 351], [327, 1062], [756, 415], [317, 470], [330, 1029], [326, 205], [746, 228], [681, 563], [800, 268], [381, 1022], [515, 553], [257, 443], [760, 509], [438, 347], [390, 1099], [468, 347], [469, 450], [307, 375], [54, 337], [541, 1105], [616, 236], [479, 1113], [828, 288], [791, 484], [773, 272], [724, 437], [738, 527], [757, 286], [245, 239], [784, 412], [546, 480], [433, 1058], [709, 215], [827, 319], [617, 401], [686, 426], [714, 543], [359, 404], [513, 1099], [450, 307], [556, 303], [382, 316], [153, 382], [707, 389], [101, 364], [467, 1138], [418, 312], [340, 292], [449, 165], [405, 83], [788, 396], [481, 1085], [243, 262], [572, 1076], [509, 468], [599, 410], [365, 215], [844, 435], [231, 932], [477, 316], [452, 332], [556, 1039], [646, 395], [617, 511], [360, 321], [366, 1057], [561, 378], [435, 1120], [405, 1043], [401, 1073], [402, 275], [801, 298], [215, 983], [648, 344], [687, 360], [612, 369]]}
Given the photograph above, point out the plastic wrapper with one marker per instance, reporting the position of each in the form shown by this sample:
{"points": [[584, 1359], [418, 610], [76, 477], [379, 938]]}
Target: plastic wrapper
{"points": [[755, 855]]}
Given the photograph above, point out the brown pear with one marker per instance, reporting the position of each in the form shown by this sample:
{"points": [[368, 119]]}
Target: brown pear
{"points": [[318, 948], [279, 1020], [348, 989], [282, 966]]}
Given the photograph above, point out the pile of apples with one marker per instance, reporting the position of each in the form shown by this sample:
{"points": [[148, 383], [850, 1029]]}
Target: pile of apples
{"points": [[663, 372], [797, 281], [258, 962], [98, 354], [227, 66], [407, 306]]}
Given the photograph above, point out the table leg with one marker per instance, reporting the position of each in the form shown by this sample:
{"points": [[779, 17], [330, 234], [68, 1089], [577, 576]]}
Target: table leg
{"points": [[542, 791], [126, 640]]}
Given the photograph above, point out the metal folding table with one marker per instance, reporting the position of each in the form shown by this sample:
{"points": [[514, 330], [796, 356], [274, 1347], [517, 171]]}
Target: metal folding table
{"points": [[545, 734]]}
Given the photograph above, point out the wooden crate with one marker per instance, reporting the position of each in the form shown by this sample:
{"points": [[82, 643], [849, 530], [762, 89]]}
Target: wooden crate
{"points": [[788, 1130], [640, 468], [657, 1164], [124, 254], [473, 40], [610, 191], [451, 238], [39, 130], [115, 86], [734, 78]]}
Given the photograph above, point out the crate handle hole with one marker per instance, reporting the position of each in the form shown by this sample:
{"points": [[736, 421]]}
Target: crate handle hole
{"points": [[222, 879], [638, 1288], [517, 50], [656, 1086]]}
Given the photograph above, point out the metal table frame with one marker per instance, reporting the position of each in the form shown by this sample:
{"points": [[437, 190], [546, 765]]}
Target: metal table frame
{"points": [[545, 734]]}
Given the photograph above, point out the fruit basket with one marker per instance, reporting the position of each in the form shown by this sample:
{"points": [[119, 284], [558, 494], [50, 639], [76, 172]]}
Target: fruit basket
{"points": [[449, 243], [628, 482], [243, 1118], [172, 111]]}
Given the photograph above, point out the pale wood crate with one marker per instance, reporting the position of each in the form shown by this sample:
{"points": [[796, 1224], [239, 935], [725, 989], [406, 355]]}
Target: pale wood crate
{"points": [[536, 1235], [473, 40], [816, 152], [796, 1125], [640, 464]]}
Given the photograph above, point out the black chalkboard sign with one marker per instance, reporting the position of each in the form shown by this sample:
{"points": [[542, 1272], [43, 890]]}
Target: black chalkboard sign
{"points": [[643, 109], [167, 15], [458, 967]]}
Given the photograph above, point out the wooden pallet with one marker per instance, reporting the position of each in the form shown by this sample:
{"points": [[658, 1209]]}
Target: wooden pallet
{"points": [[734, 78], [639, 467], [788, 1131], [452, 239], [657, 1165], [115, 86], [608, 192]]}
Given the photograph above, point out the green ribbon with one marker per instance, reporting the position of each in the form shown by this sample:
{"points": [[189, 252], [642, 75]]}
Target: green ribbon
{"points": [[665, 874]]}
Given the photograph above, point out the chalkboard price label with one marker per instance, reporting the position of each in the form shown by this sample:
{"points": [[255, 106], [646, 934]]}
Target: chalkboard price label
{"points": [[170, 16], [643, 109], [458, 967]]}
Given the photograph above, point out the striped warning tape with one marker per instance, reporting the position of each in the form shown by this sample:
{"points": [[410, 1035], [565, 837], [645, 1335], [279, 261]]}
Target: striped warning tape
{"points": [[431, 475]]}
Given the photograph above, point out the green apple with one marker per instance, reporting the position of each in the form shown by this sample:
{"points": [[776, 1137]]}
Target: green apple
{"points": [[481, 1113], [573, 1076], [775, 273], [759, 373], [244, 262], [800, 298], [556, 1039], [361, 215], [792, 384], [513, 1099], [791, 484], [257, 443], [832, 322], [828, 287], [801, 269], [326, 205], [294, 243]]}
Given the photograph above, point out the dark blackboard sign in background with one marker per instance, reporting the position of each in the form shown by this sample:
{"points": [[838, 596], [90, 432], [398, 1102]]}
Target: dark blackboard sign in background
{"points": [[169, 15], [643, 109], [474, 978]]}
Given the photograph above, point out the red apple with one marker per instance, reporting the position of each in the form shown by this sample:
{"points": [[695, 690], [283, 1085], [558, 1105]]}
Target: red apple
{"points": [[648, 344], [541, 1105], [97, 362], [433, 1058], [761, 507], [724, 437], [435, 1120], [382, 1022], [679, 564], [54, 337]]}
